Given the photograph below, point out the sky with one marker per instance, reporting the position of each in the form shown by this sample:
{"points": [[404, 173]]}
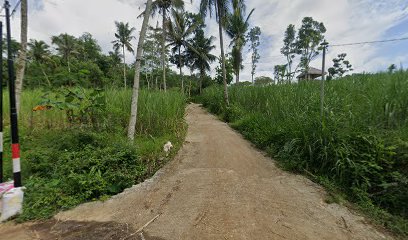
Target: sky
{"points": [[347, 21]]}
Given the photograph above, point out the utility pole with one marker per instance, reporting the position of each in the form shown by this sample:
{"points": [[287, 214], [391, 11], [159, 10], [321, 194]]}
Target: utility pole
{"points": [[324, 45], [1, 102], [15, 146]]}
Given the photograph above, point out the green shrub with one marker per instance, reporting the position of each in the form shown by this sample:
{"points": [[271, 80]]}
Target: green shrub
{"points": [[67, 168]]}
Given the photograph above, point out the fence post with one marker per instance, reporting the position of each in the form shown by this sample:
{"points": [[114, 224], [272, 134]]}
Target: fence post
{"points": [[324, 45], [15, 146]]}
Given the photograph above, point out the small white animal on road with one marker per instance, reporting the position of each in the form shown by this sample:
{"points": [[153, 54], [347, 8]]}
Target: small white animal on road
{"points": [[167, 147]]}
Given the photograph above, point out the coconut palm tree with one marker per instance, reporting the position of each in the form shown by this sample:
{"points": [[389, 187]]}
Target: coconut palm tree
{"points": [[123, 40], [163, 7], [115, 57], [201, 58], [39, 52], [151, 60], [66, 47], [221, 9], [237, 27], [179, 30], [139, 52]]}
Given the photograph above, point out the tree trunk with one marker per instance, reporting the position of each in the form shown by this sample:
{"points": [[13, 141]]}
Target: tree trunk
{"points": [[290, 72], [45, 75], [181, 71], [22, 56], [163, 54], [124, 66], [202, 75], [189, 89], [139, 53], [239, 63], [224, 71], [252, 76], [69, 65]]}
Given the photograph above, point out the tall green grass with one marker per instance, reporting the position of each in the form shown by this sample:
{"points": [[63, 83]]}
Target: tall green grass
{"points": [[360, 147], [158, 112]]}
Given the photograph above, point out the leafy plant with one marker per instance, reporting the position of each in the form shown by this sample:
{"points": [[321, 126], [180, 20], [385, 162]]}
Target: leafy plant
{"points": [[81, 107]]}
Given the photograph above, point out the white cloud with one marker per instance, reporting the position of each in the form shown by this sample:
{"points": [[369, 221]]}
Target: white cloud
{"points": [[76, 17], [345, 20]]}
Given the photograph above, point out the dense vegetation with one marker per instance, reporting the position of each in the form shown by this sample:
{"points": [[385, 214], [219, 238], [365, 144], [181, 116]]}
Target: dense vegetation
{"points": [[75, 150], [76, 107], [88, 65], [360, 149]]}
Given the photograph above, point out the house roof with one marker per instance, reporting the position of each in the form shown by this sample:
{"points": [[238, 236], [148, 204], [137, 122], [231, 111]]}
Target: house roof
{"points": [[312, 71]]}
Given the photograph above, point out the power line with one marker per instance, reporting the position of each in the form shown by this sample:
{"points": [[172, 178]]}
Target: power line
{"points": [[15, 8], [276, 56], [343, 44], [369, 42], [266, 58], [12, 12]]}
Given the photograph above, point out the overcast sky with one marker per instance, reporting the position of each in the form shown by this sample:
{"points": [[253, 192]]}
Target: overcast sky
{"points": [[347, 21]]}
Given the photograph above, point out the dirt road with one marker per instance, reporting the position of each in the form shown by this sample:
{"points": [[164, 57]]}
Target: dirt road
{"points": [[218, 187]]}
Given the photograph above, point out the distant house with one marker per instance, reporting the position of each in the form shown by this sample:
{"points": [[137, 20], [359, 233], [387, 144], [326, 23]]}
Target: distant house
{"points": [[312, 74]]}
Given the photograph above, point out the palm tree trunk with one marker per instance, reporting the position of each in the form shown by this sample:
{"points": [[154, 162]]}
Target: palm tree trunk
{"points": [[45, 75], [202, 75], [69, 66], [163, 54], [135, 94], [181, 72], [124, 66], [21, 61], [239, 63], [224, 71]]}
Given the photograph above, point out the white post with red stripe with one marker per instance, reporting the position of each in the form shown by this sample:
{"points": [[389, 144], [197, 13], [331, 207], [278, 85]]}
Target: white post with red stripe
{"points": [[15, 153], [12, 199], [15, 146]]}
